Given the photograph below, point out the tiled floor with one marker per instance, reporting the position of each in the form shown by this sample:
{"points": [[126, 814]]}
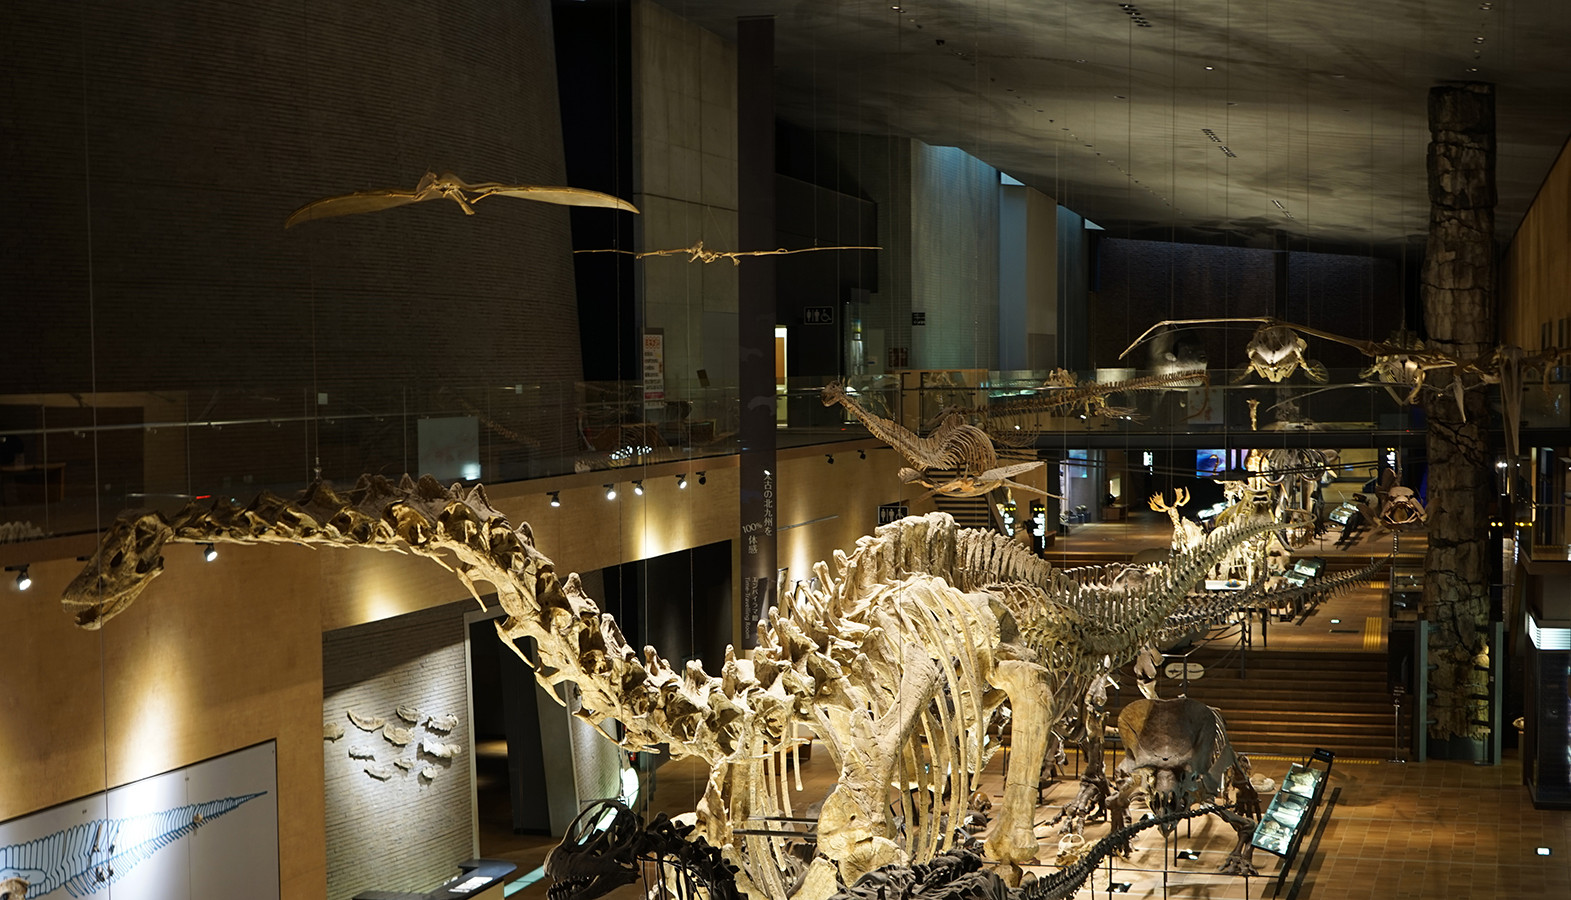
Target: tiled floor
{"points": [[1433, 830]]}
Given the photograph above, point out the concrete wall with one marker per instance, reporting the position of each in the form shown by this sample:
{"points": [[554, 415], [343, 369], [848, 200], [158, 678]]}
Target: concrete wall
{"points": [[954, 258], [1028, 309], [407, 831], [684, 124]]}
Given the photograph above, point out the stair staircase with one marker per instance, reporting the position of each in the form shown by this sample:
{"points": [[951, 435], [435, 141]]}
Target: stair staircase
{"points": [[968, 512], [1288, 703]]}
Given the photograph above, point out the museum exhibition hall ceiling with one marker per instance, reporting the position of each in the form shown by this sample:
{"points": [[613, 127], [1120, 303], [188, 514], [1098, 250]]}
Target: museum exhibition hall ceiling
{"points": [[1252, 122]]}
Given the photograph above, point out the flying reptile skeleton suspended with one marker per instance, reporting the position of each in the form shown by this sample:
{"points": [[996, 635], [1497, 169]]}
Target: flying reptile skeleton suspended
{"points": [[697, 252], [1276, 350], [450, 187]]}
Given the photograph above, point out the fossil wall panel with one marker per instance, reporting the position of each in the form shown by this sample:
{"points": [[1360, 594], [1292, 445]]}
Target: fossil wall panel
{"points": [[415, 661]]}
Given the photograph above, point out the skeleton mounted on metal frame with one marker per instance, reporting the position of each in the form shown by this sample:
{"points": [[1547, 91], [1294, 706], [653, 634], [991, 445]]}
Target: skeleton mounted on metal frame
{"points": [[448, 186], [920, 611]]}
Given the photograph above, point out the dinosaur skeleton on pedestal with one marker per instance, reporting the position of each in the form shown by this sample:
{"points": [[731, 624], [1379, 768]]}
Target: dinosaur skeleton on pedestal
{"points": [[1063, 393], [918, 612]]}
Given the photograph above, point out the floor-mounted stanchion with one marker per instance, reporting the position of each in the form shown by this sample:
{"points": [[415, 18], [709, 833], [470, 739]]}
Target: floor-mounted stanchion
{"points": [[1396, 724]]}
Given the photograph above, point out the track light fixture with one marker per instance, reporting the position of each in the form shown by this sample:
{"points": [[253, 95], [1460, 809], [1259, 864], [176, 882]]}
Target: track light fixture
{"points": [[701, 478], [556, 497], [610, 492], [681, 482], [831, 458], [23, 580], [638, 488], [861, 454], [209, 552]]}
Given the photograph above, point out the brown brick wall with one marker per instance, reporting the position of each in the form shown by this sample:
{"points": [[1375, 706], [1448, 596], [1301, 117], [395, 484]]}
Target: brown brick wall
{"points": [[156, 148]]}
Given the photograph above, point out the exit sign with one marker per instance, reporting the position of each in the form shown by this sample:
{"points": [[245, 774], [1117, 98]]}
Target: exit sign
{"points": [[818, 315]]}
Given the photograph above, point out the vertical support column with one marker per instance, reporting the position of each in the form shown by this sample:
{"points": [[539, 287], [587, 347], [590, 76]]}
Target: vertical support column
{"points": [[755, 340], [1458, 293]]}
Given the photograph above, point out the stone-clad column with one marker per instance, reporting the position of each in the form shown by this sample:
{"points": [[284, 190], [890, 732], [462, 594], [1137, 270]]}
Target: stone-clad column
{"points": [[1459, 315]]}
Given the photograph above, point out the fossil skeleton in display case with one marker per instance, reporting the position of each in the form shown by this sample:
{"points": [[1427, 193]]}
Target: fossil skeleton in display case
{"points": [[450, 187], [409, 714], [332, 731], [920, 611], [360, 751], [443, 724], [365, 723]]}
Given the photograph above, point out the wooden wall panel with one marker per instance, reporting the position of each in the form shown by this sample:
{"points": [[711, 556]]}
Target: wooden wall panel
{"points": [[1536, 276], [214, 658]]}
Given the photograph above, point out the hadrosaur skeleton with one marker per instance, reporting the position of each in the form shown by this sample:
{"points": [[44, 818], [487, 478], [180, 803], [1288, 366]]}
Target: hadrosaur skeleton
{"points": [[898, 661]]}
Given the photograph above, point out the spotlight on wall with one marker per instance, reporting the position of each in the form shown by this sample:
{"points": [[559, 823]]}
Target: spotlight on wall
{"points": [[831, 458], [209, 552], [556, 497], [681, 482], [23, 580], [861, 454], [610, 492], [638, 488], [701, 478]]}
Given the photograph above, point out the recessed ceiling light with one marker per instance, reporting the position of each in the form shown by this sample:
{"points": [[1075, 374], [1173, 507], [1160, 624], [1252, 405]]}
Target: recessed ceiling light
{"points": [[1472, 68], [1210, 68], [1479, 39], [1079, 60], [1119, 97], [1337, 75], [1544, 851]]}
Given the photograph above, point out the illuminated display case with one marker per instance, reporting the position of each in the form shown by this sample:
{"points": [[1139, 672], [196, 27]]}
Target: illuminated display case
{"points": [[1292, 809]]}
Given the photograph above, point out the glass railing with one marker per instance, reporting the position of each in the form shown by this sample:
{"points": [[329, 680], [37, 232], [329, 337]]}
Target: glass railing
{"points": [[69, 462], [1029, 403]]}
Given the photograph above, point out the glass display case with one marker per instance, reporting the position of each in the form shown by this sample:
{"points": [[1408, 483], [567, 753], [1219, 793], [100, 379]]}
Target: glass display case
{"points": [[1292, 808], [1407, 591]]}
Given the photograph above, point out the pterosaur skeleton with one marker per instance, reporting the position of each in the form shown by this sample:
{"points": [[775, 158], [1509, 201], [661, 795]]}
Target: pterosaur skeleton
{"points": [[448, 186], [697, 252]]}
